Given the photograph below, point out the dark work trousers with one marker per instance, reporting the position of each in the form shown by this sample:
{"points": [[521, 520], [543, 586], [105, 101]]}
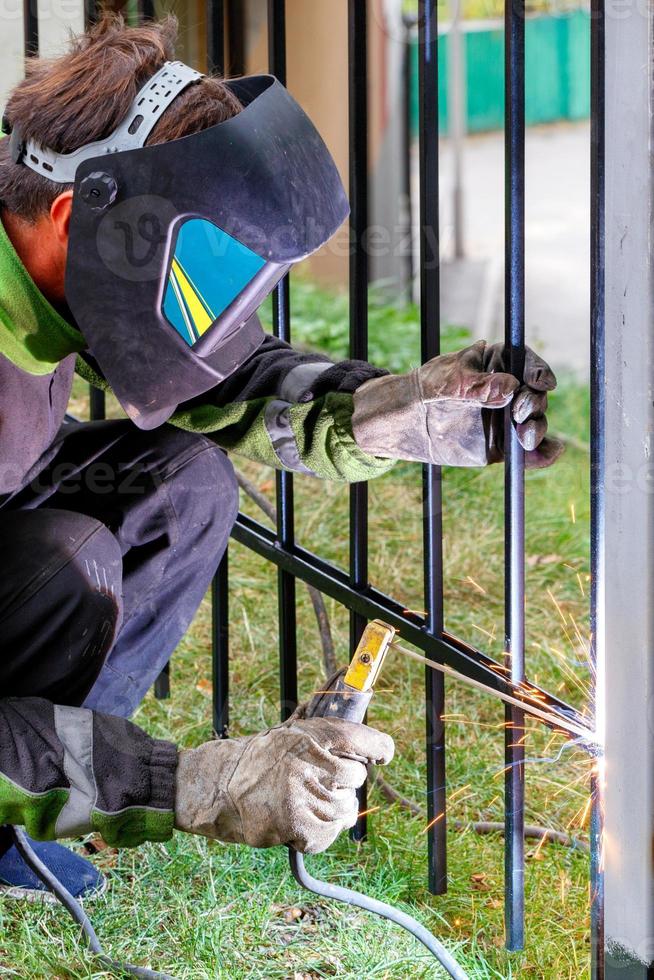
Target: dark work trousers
{"points": [[105, 557]]}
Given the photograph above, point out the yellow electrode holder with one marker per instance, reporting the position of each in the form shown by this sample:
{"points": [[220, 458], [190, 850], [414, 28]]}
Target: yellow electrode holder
{"points": [[370, 655]]}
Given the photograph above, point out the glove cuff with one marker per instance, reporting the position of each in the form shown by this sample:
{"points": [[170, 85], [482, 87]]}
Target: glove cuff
{"points": [[202, 801], [389, 418]]}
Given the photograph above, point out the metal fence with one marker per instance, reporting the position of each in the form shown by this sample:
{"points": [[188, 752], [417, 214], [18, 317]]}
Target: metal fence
{"points": [[351, 586]]}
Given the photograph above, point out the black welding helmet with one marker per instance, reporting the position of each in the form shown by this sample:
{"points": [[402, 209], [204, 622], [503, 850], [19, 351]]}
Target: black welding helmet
{"points": [[173, 247]]}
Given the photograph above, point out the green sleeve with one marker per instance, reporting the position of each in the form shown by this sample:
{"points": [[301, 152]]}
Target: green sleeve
{"points": [[319, 438], [321, 431]]}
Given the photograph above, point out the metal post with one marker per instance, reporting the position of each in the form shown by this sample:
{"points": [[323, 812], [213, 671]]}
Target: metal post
{"points": [[457, 116], [146, 9], [284, 481], [220, 647], [90, 12], [407, 144], [432, 490], [597, 442], [514, 554], [31, 28], [624, 528], [97, 403], [215, 12], [236, 37], [359, 275]]}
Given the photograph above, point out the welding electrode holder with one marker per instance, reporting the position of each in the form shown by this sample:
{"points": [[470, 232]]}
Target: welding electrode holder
{"points": [[349, 702]]}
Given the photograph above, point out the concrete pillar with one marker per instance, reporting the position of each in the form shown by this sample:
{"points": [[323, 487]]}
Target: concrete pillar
{"points": [[625, 576], [57, 20], [13, 46]]}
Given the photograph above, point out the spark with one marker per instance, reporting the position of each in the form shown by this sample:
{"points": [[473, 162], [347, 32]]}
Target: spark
{"points": [[432, 823], [582, 641], [584, 813], [491, 636], [461, 789], [581, 585], [364, 813], [476, 585], [539, 848], [557, 606], [573, 514]]}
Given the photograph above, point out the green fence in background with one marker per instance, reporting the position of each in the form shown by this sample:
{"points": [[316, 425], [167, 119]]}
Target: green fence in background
{"points": [[557, 72]]}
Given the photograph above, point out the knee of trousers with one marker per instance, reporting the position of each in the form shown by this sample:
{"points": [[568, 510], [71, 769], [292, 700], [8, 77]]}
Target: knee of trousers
{"points": [[202, 486], [62, 609]]}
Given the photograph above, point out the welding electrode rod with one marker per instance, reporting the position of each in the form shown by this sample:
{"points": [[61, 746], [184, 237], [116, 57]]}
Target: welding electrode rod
{"points": [[571, 727]]}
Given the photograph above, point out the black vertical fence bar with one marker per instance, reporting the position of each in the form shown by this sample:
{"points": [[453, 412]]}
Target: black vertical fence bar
{"points": [[597, 355], [31, 27], [97, 403], [215, 13], [90, 12], [359, 276], [407, 142], [146, 9], [236, 37], [514, 557], [432, 485], [285, 495], [220, 647]]}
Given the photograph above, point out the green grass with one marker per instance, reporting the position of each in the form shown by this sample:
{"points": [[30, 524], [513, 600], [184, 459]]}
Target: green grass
{"points": [[200, 910]]}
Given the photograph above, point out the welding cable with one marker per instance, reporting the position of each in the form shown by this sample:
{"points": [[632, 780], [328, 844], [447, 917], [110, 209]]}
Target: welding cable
{"points": [[74, 908], [326, 890]]}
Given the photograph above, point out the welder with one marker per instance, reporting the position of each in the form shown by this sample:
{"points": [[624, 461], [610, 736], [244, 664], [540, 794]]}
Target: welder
{"points": [[147, 211]]}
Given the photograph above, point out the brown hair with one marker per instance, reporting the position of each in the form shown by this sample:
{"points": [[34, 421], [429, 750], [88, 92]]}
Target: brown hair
{"points": [[82, 96]]}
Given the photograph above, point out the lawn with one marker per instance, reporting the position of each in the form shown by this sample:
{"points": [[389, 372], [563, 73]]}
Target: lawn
{"points": [[200, 910]]}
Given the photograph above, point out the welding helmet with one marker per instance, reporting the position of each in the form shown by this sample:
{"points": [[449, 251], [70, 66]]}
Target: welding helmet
{"points": [[173, 247]]}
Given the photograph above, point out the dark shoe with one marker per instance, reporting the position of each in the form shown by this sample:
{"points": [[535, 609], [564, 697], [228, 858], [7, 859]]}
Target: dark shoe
{"points": [[77, 875]]}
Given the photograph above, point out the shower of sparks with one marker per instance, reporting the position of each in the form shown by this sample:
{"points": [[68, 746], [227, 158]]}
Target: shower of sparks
{"points": [[531, 700], [580, 816]]}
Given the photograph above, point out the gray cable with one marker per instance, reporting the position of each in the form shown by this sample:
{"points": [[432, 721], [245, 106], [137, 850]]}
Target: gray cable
{"points": [[326, 890], [74, 908]]}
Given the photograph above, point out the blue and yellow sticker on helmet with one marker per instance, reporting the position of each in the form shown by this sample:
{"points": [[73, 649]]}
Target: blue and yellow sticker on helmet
{"points": [[209, 269]]}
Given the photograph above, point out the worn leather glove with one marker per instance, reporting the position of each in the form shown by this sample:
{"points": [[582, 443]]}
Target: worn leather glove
{"points": [[294, 784], [447, 412]]}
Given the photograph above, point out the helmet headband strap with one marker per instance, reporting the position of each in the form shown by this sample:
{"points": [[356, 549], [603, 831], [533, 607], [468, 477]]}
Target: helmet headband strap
{"points": [[146, 110]]}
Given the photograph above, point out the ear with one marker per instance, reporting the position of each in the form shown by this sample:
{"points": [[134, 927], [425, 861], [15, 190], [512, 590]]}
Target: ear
{"points": [[60, 212]]}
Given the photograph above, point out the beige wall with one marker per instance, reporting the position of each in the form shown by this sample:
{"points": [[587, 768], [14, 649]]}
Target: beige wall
{"points": [[317, 54]]}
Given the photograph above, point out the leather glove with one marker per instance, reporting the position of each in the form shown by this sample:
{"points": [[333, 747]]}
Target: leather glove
{"points": [[294, 784], [448, 411]]}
